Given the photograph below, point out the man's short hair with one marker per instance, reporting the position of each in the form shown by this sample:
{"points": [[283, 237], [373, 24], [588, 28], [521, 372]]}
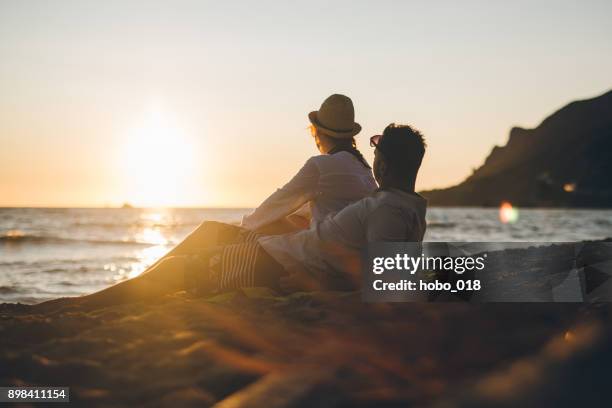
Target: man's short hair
{"points": [[403, 148]]}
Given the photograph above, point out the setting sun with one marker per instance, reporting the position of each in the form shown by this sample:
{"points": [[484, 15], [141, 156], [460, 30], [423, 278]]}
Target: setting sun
{"points": [[157, 160]]}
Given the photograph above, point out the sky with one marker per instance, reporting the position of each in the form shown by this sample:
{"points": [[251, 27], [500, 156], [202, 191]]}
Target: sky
{"points": [[196, 103]]}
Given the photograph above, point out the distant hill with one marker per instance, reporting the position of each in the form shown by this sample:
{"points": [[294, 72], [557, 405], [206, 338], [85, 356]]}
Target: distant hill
{"points": [[564, 162]]}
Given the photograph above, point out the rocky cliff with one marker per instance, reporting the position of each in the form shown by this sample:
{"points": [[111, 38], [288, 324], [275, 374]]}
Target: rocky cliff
{"points": [[564, 162]]}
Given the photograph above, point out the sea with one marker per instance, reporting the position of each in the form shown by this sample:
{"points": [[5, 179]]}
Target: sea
{"points": [[47, 253]]}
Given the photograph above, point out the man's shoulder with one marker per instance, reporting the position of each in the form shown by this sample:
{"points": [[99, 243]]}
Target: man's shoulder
{"points": [[384, 201], [401, 198], [395, 201], [378, 198], [364, 207], [396, 216]]}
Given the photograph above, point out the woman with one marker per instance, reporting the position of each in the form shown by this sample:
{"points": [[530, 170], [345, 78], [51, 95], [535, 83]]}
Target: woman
{"points": [[324, 185]]}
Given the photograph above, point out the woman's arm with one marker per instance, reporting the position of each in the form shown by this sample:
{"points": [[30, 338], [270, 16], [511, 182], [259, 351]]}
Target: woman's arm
{"points": [[284, 201]]}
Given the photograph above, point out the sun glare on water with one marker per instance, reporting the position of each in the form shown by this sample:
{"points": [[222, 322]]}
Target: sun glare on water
{"points": [[157, 162]]}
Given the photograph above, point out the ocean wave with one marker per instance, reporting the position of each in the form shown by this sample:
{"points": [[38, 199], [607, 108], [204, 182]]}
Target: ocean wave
{"points": [[9, 290], [135, 224], [15, 238], [62, 264]]}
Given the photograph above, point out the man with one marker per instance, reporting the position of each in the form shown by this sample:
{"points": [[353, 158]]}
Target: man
{"points": [[327, 254]]}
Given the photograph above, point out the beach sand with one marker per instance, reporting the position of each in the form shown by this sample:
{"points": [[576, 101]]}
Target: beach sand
{"points": [[253, 348]]}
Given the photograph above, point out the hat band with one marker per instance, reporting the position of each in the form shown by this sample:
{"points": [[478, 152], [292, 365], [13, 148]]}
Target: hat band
{"points": [[332, 129]]}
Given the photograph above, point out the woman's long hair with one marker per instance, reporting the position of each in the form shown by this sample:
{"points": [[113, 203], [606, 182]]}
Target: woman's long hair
{"points": [[344, 145], [349, 145]]}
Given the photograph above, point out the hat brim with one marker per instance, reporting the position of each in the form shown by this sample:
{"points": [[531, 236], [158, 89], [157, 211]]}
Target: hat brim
{"points": [[312, 116]]}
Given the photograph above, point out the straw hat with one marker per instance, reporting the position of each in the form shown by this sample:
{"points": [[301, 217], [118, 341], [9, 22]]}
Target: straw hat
{"points": [[336, 117]]}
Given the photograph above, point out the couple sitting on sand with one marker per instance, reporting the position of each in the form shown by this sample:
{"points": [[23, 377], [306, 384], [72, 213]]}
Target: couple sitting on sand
{"points": [[307, 234]]}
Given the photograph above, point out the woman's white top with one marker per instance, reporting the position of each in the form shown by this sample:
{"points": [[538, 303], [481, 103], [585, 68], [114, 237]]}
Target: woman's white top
{"points": [[327, 182]]}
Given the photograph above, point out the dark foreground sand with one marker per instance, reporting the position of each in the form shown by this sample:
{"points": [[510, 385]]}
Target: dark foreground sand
{"points": [[251, 348]]}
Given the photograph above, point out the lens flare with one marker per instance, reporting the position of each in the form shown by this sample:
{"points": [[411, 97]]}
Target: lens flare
{"points": [[569, 187], [507, 213]]}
